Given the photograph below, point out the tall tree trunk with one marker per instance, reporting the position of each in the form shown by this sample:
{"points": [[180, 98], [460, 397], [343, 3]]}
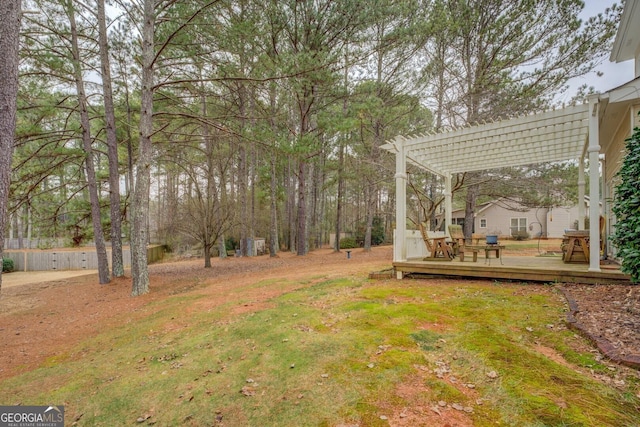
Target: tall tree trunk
{"points": [[301, 232], [117, 264], [273, 229], [211, 199], [253, 177], [304, 107], [20, 230], [370, 204], [207, 255], [341, 148], [140, 203], [222, 247], [322, 203], [339, 196], [130, 168], [10, 14], [242, 197], [469, 213], [312, 197], [98, 236], [274, 244], [291, 218], [171, 211]]}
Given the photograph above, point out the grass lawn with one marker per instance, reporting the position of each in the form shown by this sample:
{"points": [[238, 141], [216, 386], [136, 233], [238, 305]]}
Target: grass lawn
{"points": [[341, 352]]}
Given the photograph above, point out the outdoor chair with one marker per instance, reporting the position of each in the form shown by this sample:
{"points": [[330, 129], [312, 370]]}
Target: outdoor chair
{"points": [[438, 247], [457, 238]]}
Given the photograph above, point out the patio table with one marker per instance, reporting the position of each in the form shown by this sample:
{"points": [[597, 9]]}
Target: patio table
{"points": [[497, 249], [575, 246]]}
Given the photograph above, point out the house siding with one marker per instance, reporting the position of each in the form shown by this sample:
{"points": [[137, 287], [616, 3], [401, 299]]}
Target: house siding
{"points": [[552, 223], [498, 218], [561, 219], [614, 155], [615, 151]]}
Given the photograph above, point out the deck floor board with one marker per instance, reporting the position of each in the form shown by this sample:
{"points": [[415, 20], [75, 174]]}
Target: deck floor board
{"points": [[521, 268]]}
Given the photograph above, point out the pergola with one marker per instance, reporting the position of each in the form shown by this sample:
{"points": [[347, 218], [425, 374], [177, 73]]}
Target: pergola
{"points": [[570, 133]]}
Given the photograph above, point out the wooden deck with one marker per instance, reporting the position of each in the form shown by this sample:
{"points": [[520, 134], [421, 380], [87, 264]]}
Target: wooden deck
{"points": [[520, 268]]}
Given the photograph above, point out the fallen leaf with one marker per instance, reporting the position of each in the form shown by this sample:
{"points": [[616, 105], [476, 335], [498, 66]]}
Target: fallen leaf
{"points": [[247, 391]]}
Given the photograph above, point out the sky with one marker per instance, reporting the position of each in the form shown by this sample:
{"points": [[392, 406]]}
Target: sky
{"points": [[613, 74]]}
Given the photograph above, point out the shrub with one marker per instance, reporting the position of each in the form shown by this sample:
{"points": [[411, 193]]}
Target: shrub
{"points": [[7, 265], [348, 243], [377, 231], [626, 206], [231, 244], [520, 235]]}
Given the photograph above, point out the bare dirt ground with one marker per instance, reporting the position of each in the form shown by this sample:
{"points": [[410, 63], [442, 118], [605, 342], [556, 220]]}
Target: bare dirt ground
{"points": [[52, 313], [42, 314]]}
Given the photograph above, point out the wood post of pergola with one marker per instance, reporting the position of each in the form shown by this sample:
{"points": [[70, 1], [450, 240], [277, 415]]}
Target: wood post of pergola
{"points": [[594, 182]]}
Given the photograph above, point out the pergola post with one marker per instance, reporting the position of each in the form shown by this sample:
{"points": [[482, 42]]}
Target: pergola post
{"points": [[581, 187], [594, 183], [400, 244], [604, 191]]}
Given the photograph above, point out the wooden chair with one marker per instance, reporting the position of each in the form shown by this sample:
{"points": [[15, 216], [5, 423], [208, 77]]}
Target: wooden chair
{"points": [[438, 247], [602, 235], [457, 238]]}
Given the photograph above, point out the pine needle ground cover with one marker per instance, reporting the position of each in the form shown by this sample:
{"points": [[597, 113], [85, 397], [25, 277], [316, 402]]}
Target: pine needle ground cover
{"points": [[341, 352]]}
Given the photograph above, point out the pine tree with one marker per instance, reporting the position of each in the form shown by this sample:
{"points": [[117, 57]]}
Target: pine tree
{"points": [[10, 13]]}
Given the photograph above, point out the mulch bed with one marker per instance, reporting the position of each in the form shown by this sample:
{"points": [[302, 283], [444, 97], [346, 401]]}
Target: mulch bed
{"points": [[609, 316]]}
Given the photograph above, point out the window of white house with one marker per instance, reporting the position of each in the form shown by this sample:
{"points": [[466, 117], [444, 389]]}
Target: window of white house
{"points": [[483, 223], [518, 224]]}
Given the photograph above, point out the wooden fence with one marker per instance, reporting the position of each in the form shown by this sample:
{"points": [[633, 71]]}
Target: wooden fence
{"points": [[71, 260]]}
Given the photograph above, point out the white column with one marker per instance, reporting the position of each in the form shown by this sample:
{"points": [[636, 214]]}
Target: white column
{"points": [[448, 206], [400, 243], [605, 206], [594, 183], [581, 187]]}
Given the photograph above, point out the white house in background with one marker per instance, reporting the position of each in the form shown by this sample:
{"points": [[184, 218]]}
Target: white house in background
{"points": [[504, 217], [593, 132]]}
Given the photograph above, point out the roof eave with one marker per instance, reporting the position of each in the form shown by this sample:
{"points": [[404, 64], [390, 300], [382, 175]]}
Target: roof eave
{"points": [[627, 38]]}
